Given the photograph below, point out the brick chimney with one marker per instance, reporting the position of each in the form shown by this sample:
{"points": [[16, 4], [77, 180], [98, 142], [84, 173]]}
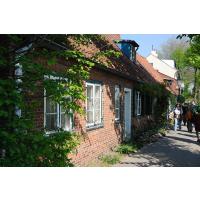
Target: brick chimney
{"points": [[112, 36]]}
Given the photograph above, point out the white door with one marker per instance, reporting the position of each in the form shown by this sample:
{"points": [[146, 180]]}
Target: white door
{"points": [[127, 114]]}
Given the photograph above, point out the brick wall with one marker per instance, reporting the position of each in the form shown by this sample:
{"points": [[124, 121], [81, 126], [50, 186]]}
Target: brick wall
{"points": [[101, 140]]}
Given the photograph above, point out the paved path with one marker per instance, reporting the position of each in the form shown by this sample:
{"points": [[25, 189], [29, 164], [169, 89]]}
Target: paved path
{"points": [[178, 149]]}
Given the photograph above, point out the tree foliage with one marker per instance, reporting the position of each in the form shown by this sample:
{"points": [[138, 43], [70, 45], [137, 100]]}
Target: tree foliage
{"points": [[192, 59], [174, 49]]}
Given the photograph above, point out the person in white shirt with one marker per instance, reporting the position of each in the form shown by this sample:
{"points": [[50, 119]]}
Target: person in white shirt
{"points": [[177, 117]]}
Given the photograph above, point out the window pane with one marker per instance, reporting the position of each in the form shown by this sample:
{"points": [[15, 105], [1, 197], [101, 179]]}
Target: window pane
{"points": [[89, 117], [89, 91], [117, 113], [65, 121], [89, 104], [50, 106], [51, 122], [97, 103], [97, 116], [97, 91], [93, 104], [89, 98], [117, 102]]}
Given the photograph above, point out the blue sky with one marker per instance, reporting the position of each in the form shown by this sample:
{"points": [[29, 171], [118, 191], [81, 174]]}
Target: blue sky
{"points": [[147, 40]]}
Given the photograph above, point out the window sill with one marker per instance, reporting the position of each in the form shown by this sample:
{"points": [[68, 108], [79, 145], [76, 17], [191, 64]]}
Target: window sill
{"points": [[47, 133], [93, 127]]}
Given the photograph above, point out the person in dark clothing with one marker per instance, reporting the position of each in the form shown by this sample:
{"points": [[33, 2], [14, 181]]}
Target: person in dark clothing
{"points": [[184, 108], [196, 121], [189, 118]]}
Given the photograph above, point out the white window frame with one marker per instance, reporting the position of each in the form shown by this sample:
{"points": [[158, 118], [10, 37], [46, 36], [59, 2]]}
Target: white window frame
{"points": [[138, 103], [18, 73], [117, 89], [93, 124], [58, 111]]}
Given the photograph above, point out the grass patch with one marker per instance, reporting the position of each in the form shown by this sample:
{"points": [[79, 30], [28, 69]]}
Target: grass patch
{"points": [[127, 148], [110, 159]]}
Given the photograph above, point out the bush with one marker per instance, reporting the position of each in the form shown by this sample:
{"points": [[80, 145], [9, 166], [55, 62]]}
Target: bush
{"points": [[127, 148], [37, 149], [162, 131]]}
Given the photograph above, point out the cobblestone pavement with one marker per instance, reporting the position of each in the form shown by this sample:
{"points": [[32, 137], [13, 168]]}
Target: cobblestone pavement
{"points": [[177, 149]]}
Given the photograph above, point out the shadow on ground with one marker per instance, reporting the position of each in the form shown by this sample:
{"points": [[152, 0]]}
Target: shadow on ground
{"points": [[189, 135], [178, 150]]}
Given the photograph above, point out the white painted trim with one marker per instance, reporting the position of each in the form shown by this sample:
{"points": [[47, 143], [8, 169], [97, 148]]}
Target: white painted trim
{"points": [[18, 72], [128, 90], [93, 98], [138, 103], [118, 88]]}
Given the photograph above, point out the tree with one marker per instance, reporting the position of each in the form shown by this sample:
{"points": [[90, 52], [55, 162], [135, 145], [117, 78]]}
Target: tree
{"points": [[173, 49], [21, 144], [192, 58]]}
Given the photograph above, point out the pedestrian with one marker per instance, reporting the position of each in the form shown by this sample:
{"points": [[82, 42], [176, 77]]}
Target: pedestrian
{"points": [[177, 117], [181, 117], [196, 121], [184, 108], [189, 118]]}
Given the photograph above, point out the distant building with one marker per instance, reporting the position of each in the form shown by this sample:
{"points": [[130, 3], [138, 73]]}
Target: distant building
{"points": [[171, 63], [166, 67]]}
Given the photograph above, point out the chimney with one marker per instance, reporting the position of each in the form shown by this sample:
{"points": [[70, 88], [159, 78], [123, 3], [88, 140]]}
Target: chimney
{"points": [[154, 53], [112, 37]]}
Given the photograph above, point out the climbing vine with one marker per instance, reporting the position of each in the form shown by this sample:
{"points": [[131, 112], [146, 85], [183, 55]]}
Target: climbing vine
{"points": [[155, 89]]}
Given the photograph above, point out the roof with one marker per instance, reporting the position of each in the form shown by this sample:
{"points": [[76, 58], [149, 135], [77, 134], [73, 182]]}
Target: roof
{"points": [[173, 87], [121, 66], [154, 73], [133, 42]]}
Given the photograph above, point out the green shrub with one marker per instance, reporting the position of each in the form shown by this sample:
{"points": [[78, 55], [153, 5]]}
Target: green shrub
{"points": [[110, 159], [37, 149], [127, 148], [162, 131]]}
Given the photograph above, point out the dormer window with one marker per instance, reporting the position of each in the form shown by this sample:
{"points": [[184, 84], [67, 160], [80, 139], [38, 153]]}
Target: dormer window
{"points": [[168, 82], [129, 48]]}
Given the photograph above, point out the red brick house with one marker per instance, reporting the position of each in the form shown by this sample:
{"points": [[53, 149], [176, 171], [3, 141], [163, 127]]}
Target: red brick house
{"points": [[115, 109]]}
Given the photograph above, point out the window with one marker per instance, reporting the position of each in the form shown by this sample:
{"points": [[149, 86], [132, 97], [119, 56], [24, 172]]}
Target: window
{"points": [[18, 74], [55, 117], [117, 103], [128, 50], [93, 104], [138, 102]]}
